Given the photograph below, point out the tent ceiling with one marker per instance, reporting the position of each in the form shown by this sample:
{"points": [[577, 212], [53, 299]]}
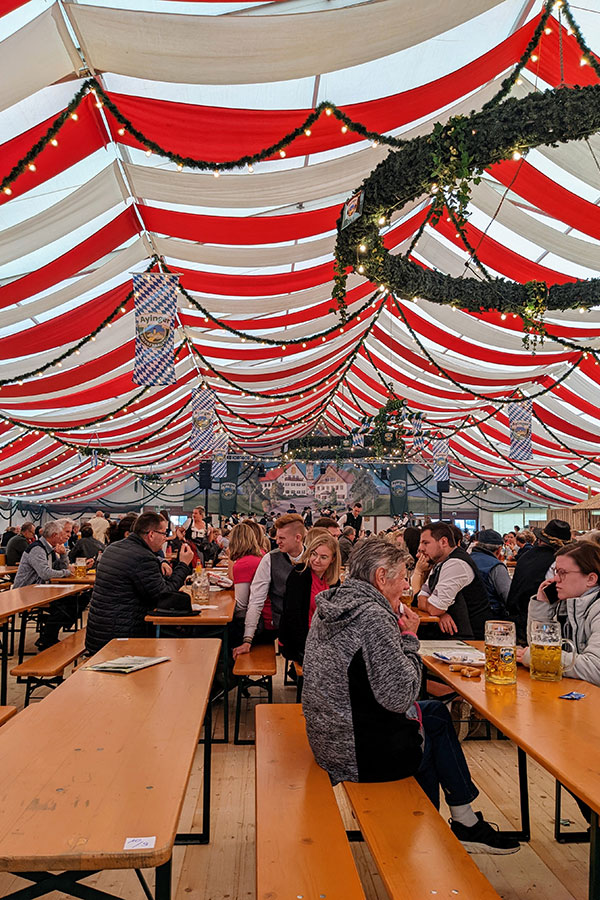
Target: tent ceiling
{"points": [[217, 81]]}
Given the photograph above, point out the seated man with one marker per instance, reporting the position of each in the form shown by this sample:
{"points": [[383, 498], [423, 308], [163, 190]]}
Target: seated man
{"points": [[487, 556], [454, 590], [269, 583], [19, 543], [43, 560], [87, 546], [330, 524], [346, 542], [362, 676], [129, 582]]}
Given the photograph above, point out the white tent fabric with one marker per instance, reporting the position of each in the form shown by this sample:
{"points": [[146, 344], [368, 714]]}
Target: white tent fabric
{"points": [[253, 50], [40, 53]]}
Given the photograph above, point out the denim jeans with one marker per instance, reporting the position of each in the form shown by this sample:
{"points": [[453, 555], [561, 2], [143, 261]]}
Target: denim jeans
{"points": [[443, 763]]}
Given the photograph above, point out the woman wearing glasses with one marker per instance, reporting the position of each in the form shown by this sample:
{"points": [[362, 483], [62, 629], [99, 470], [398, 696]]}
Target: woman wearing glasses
{"points": [[577, 580]]}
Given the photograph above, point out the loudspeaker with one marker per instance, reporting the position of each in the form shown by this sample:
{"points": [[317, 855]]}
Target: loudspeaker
{"points": [[204, 476], [443, 487]]}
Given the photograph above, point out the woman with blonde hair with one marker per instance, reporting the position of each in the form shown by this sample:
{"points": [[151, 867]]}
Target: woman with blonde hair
{"points": [[244, 557], [261, 535], [318, 570]]}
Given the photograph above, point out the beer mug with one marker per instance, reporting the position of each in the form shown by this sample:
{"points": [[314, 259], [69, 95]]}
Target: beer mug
{"points": [[546, 651], [81, 567], [500, 652]]}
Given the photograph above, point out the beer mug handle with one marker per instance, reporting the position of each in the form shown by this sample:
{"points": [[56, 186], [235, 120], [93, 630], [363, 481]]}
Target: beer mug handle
{"points": [[568, 654]]}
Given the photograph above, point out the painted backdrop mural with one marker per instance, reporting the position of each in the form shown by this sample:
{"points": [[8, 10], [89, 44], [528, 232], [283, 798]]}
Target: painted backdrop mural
{"points": [[313, 484]]}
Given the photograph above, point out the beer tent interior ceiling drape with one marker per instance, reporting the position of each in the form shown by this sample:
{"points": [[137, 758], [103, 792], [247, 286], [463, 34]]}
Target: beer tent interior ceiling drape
{"points": [[254, 247]]}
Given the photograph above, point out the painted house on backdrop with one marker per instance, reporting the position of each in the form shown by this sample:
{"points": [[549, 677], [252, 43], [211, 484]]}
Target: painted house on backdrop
{"points": [[337, 480], [296, 479]]}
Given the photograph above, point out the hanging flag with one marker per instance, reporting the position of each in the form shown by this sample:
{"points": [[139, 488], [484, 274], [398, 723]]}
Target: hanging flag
{"points": [[398, 490], [358, 440], [439, 450], [519, 418], [418, 438], [219, 457], [203, 413], [155, 306]]}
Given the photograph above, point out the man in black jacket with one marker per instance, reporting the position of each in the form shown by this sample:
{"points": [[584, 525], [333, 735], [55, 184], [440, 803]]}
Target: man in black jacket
{"points": [[532, 568], [129, 582], [19, 543]]}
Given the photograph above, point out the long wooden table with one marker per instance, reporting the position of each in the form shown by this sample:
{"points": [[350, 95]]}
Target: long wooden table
{"points": [[563, 736], [22, 601], [105, 761], [217, 619], [8, 570], [87, 580]]}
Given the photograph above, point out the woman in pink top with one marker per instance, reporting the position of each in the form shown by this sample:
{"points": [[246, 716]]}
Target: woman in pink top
{"points": [[318, 570], [244, 556]]}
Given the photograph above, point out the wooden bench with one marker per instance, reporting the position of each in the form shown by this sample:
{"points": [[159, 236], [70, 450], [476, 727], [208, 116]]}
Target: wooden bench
{"points": [[415, 852], [301, 844], [254, 670], [46, 668]]}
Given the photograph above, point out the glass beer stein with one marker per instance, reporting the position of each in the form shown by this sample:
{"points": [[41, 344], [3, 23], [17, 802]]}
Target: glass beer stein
{"points": [[500, 652], [546, 651], [81, 567]]}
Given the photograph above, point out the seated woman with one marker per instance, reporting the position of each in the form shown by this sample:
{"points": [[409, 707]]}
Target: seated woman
{"points": [[244, 557], [362, 675], [577, 580], [317, 571]]}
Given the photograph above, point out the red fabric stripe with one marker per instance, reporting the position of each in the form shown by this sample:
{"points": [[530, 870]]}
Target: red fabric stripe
{"points": [[123, 227], [7, 6], [548, 195], [256, 285], [547, 66], [501, 258], [59, 382], [76, 139], [238, 229], [219, 134]]}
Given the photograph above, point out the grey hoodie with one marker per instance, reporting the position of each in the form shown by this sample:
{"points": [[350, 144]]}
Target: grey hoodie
{"points": [[361, 680], [582, 626]]}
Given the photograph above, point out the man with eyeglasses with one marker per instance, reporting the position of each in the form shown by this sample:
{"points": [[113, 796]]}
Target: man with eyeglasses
{"points": [[130, 582]]}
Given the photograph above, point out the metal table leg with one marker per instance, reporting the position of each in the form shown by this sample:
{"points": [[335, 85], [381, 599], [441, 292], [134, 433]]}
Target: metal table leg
{"points": [[594, 891], [202, 837], [4, 681]]}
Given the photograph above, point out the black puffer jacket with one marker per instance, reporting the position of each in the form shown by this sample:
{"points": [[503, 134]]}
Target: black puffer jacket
{"points": [[129, 582]]}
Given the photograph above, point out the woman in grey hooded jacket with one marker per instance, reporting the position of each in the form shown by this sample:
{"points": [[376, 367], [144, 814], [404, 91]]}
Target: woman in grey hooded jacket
{"points": [[362, 676]]}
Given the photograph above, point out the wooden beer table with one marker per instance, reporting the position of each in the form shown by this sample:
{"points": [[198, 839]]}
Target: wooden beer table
{"points": [[563, 736], [95, 779], [217, 619], [8, 570], [86, 580], [22, 601]]}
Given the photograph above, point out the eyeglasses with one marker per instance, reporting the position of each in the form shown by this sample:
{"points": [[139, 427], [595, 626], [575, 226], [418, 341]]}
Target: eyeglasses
{"points": [[153, 531], [561, 573]]}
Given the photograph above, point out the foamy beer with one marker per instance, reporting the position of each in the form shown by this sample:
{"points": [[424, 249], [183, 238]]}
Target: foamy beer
{"points": [[546, 651], [500, 652], [81, 567]]}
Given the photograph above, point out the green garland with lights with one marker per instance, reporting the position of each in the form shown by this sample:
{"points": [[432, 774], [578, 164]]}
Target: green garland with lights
{"points": [[485, 137]]}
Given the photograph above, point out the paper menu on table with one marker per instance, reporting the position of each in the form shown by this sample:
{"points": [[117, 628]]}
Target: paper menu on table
{"points": [[428, 648]]}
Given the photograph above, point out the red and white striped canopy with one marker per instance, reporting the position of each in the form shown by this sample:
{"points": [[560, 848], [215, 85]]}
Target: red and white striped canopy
{"points": [[216, 81]]}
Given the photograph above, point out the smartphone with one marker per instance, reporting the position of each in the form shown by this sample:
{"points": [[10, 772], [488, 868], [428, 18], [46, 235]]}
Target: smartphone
{"points": [[550, 592]]}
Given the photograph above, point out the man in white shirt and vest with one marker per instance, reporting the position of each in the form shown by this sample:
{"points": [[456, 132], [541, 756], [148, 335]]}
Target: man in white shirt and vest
{"points": [[270, 579], [454, 590]]}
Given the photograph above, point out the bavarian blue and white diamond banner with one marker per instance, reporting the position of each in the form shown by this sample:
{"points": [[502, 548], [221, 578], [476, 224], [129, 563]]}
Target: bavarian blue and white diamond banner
{"points": [[155, 295], [439, 450], [519, 419], [418, 438], [218, 469], [358, 440], [203, 414]]}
